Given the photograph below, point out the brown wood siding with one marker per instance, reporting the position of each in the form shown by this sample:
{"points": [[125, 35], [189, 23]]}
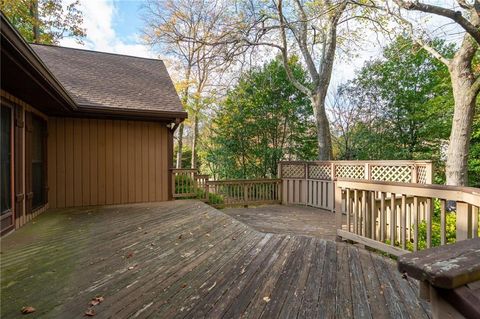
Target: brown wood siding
{"points": [[97, 162]]}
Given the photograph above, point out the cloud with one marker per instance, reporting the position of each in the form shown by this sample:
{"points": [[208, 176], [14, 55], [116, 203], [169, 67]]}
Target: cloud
{"points": [[98, 20]]}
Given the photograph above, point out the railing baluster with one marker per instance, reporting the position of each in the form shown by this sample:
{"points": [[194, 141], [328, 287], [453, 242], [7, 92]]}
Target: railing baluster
{"points": [[392, 219], [373, 219], [443, 205], [348, 208], [475, 212], [415, 223], [355, 211], [383, 221], [428, 212], [403, 221], [364, 213]]}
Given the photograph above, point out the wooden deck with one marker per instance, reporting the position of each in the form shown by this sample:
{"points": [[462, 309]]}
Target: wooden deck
{"points": [[287, 219], [184, 259]]}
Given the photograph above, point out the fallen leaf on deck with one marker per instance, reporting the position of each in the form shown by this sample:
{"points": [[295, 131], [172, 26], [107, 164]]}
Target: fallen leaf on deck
{"points": [[266, 299], [97, 300], [28, 309], [90, 313], [211, 287]]}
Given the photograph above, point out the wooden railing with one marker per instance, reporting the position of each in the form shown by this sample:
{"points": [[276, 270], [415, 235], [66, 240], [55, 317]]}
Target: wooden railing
{"points": [[449, 278], [402, 217], [312, 183], [186, 183], [244, 192]]}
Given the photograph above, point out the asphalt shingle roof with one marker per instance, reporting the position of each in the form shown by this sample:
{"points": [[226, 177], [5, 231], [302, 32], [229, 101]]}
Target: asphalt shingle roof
{"points": [[111, 80]]}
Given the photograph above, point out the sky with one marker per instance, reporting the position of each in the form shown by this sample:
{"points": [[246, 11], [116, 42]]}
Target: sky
{"points": [[112, 26], [115, 26]]}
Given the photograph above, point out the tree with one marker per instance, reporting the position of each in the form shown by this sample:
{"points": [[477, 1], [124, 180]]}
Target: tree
{"points": [[183, 29], [464, 76], [45, 21], [264, 119], [313, 27], [400, 106]]}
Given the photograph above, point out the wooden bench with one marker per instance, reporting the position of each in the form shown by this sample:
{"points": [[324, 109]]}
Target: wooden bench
{"points": [[449, 278]]}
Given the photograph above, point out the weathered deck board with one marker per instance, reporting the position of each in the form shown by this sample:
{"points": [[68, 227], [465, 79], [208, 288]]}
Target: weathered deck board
{"points": [[184, 259], [286, 219]]}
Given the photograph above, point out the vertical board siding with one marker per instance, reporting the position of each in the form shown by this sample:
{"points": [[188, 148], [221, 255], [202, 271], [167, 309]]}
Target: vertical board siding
{"points": [[77, 161], [101, 149], [93, 162], [109, 162], [65, 155], [131, 162], [97, 162], [52, 155]]}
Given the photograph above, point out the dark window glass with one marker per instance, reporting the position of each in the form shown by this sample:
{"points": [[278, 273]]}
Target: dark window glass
{"points": [[6, 155], [38, 161]]}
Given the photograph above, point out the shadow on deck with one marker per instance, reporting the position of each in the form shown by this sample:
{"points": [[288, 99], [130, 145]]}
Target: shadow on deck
{"points": [[184, 259]]}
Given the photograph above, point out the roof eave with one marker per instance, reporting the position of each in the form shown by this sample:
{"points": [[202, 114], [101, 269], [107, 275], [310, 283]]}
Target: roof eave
{"points": [[127, 113], [25, 51]]}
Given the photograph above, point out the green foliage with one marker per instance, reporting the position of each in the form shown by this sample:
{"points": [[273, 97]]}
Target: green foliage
{"points": [[404, 109], [474, 154], [184, 184], [54, 20], [263, 120]]}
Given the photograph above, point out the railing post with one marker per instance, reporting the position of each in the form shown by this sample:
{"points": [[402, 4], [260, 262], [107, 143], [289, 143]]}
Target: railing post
{"points": [[207, 198], [414, 174], [368, 173], [429, 176], [464, 221], [304, 190], [338, 208], [173, 175], [245, 194], [332, 178], [195, 183]]}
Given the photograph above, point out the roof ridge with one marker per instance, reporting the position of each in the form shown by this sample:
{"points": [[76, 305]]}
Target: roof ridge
{"points": [[93, 51]]}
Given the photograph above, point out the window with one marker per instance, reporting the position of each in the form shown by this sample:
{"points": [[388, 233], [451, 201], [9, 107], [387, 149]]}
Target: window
{"points": [[6, 156]]}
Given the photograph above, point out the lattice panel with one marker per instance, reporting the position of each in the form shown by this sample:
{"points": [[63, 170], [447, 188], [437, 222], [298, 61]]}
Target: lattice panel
{"points": [[350, 171], [293, 171], [319, 171], [392, 173], [421, 174]]}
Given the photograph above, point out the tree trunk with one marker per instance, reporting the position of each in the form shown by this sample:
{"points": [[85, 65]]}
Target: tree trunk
{"points": [[194, 140], [457, 153], [180, 145], [181, 127], [464, 94], [36, 21], [324, 139]]}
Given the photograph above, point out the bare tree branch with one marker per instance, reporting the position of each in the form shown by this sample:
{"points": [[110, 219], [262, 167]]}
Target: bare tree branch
{"points": [[456, 16]]}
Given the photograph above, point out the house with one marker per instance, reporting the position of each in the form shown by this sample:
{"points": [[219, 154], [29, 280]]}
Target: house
{"points": [[82, 128]]}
